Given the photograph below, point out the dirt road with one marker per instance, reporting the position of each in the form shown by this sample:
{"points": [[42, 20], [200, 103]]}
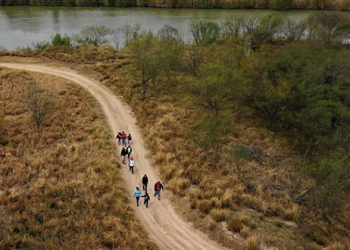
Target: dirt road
{"points": [[166, 228]]}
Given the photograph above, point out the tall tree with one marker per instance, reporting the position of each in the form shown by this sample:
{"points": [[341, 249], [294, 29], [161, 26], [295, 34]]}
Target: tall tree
{"points": [[154, 56], [210, 132]]}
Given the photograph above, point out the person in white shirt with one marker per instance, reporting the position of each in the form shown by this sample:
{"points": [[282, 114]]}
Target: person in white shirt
{"points": [[131, 165]]}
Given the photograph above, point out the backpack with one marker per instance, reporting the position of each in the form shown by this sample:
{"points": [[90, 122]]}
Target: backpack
{"points": [[158, 186]]}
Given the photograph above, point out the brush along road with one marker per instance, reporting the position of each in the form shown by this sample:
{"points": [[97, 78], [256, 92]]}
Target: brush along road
{"points": [[164, 225]]}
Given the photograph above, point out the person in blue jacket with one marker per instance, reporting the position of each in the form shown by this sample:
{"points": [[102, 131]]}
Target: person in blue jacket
{"points": [[137, 194]]}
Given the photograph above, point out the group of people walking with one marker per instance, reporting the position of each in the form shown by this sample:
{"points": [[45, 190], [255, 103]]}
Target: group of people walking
{"points": [[158, 187], [122, 137], [126, 151]]}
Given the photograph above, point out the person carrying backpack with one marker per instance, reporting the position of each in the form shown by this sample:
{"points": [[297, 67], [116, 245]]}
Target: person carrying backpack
{"points": [[123, 154], [147, 199], [144, 182], [131, 165], [157, 189]]}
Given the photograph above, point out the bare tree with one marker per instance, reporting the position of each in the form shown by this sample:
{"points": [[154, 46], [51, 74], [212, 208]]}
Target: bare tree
{"points": [[128, 32], [39, 103], [328, 26], [294, 31], [95, 35]]}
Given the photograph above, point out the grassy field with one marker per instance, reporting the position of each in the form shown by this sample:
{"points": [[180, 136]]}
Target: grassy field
{"points": [[60, 186]]}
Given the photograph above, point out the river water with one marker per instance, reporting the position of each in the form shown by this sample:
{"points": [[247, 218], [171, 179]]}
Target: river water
{"points": [[21, 26]]}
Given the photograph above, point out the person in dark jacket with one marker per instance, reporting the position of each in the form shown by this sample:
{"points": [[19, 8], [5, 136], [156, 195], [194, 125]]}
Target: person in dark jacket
{"points": [[123, 154], [147, 198], [119, 137], [144, 182], [129, 139]]}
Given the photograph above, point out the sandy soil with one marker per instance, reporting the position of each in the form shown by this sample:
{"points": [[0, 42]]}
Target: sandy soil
{"points": [[163, 224]]}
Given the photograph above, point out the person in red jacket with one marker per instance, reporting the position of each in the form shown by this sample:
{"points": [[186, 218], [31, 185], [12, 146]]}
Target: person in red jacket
{"points": [[123, 137], [158, 187]]}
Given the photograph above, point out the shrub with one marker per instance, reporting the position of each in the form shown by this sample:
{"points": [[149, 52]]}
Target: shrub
{"points": [[95, 35], [211, 224], [58, 40], [218, 214], [252, 244], [193, 204], [235, 225], [204, 206]]}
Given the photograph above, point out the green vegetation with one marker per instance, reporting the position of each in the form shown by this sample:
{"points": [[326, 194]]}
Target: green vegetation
{"points": [[95, 35], [154, 56], [269, 112], [58, 40]]}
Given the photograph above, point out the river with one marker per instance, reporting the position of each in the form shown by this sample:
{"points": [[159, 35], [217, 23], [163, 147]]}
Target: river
{"points": [[21, 26]]}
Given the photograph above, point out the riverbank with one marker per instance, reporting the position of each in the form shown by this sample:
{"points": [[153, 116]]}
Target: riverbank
{"points": [[339, 5]]}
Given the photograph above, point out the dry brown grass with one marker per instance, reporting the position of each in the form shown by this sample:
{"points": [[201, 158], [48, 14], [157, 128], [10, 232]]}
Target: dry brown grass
{"points": [[251, 244], [60, 187]]}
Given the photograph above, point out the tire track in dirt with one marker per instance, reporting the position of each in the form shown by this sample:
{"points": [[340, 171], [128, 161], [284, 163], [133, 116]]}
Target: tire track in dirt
{"points": [[163, 224]]}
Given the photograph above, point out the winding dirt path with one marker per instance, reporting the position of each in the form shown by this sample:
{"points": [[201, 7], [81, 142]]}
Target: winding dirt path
{"points": [[163, 224]]}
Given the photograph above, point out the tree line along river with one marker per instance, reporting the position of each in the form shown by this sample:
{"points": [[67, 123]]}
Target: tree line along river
{"points": [[20, 26], [197, 4]]}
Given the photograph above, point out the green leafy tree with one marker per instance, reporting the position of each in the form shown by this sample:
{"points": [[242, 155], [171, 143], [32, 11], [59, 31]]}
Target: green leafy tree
{"points": [[332, 183], [231, 27], [211, 88], [58, 40], [204, 32], [269, 27], [194, 59], [239, 155], [154, 56], [210, 134]]}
